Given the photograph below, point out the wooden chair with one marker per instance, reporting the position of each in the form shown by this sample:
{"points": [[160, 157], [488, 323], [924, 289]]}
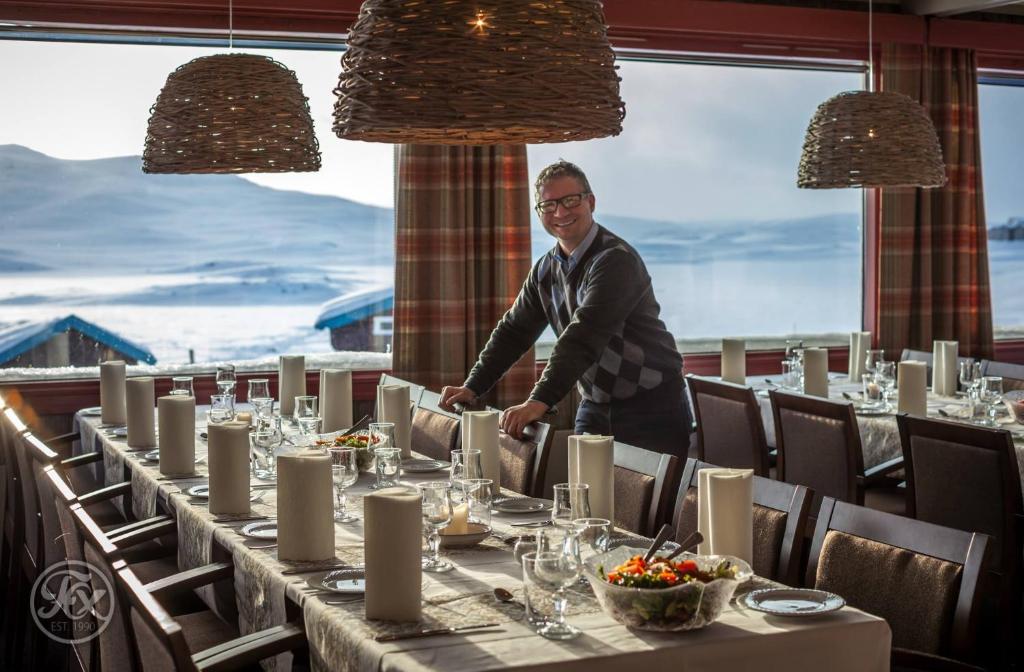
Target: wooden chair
{"points": [[435, 431], [780, 522], [524, 462], [730, 431], [923, 579], [818, 444], [642, 488], [1012, 374]]}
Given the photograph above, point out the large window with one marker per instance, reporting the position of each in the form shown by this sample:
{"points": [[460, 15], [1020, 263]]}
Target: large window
{"points": [[186, 267], [1002, 146], [702, 181]]}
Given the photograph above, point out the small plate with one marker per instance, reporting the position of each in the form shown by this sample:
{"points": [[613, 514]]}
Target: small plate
{"points": [[262, 530], [203, 492], [423, 466], [522, 505], [793, 601], [152, 456], [477, 533], [346, 581], [91, 411], [873, 412]]}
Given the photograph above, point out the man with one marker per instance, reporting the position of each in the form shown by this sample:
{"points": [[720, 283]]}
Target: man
{"points": [[594, 291]]}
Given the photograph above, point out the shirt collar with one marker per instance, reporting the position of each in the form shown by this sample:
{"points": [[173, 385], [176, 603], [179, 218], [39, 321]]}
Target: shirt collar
{"points": [[577, 254]]}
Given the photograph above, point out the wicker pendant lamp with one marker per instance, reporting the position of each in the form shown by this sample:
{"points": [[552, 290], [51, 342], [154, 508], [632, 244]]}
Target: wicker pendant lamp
{"points": [[231, 113], [871, 139], [462, 72]]}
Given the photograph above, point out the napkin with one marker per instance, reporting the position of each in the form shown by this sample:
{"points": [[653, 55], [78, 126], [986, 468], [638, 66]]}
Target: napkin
{"points": [[393, 548], [394, 407], [734, 360], [860, 343], [480, 432], [291, 381], [229, 467], [816, 372], [912, 388], [335, 399], [140, 399], [305, 506], [592, 461], [944, 370], [725, 509], [112, 393], [176, 417]]}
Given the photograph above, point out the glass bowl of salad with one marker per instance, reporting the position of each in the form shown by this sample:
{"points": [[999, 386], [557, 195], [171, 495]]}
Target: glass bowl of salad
{"points": [[358, 440], [685, 593]]}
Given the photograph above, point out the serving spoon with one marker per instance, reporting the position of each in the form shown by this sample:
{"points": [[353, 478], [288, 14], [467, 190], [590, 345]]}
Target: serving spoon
{"points": [[664, 533], [688, 543]]}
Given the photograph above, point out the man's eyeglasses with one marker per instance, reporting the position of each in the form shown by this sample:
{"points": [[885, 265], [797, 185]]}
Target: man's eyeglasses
{"points": [[568, 202]]}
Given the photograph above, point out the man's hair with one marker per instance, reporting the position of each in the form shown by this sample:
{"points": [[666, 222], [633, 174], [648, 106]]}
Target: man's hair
{"points": [[560, 168]]}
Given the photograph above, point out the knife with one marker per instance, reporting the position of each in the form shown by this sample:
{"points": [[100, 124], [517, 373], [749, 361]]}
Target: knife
{"points": [[433, 631]]}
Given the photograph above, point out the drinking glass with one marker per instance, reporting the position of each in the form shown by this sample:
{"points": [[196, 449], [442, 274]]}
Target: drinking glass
{"points": [[345, 472], [465, 465], [872, 391], [872, 359], [990, 394], [539, 606], [572, 501], [306, 415], [794, 348], [477, 493], [790, 376], [265, 442], [259, 396], [970, 376], [222, 408], [226, 378], [593, 536], [554, 571], [389, 462], [885, 375], [437, 514], [182, 385]]}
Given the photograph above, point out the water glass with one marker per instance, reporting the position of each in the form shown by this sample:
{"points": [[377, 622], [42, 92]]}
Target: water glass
{"points": [[553, 572], [345, 472], [593, 536], [465, 465], [885, 376], [572, 501], [872, 360], [794, 349], [478, 494], [265, 441], [389, 462], [437, 514], [540, 608], [222, 408], [226, 378], [259, 395], [871, 390], [306, 415], [970, 376], [182, 385], [990, 394], [790, 375]]}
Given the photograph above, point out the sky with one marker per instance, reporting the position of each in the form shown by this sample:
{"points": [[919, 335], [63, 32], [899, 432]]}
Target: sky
{"points": [[699, 142]]}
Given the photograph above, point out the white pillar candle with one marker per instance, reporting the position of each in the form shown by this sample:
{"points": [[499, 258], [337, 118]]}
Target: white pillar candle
{"points": [[305, 507], [734, 360], [860, 343], [113, 411], [176, 418], [393, 549], [944, 369], [816, 372], [335, 399], [229, 467], [912, 385], [394, 408], [140, 402], [725, 509], [592, 461], [291, 381], [480, 432]]}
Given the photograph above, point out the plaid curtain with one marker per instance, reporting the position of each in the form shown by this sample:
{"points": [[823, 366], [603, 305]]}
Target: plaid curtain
{"points": [[933, 268], [462, 253]]}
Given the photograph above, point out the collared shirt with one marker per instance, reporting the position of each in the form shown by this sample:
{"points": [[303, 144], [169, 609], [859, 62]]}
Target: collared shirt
{"points": [[577, 254]]}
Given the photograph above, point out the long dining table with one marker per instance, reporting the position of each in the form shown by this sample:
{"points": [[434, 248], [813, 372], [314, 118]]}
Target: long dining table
{"points": [[341, 638]]}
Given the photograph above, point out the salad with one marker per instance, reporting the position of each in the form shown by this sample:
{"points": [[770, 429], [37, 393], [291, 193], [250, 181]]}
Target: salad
{"points": [[364, 456], [660, 572]]}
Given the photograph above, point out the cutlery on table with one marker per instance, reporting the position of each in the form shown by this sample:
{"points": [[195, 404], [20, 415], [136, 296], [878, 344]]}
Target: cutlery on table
{"points": [[663, 535], [688, 543], [535, 523], [433, 631], [502, 595], [318, 568], [363, 423], [241, 519]]}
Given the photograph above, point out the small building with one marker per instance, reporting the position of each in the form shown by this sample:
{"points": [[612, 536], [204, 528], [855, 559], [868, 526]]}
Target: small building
{"points": [[65, 341], [360, 321]]}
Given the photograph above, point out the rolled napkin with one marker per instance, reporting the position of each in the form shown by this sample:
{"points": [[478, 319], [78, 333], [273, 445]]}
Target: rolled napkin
{"points": [[335, 399], [592, 461], [394, 407], [140, 400], [725, 510], [291, 381], [860, 343], [480, 432], [734, 360], [305, 506], [113, 411], [912, 387], [176, 417], [816, 372], [229, 467], [944, 370], [393, 548]]}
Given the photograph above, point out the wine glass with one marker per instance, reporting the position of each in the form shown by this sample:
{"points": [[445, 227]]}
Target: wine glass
{"points": [[265, 442], [259, 396], [572, 501], [593, 534], [306, 415], [465, 464], [885, 375], [437, 514], [345, 472], [990, 394], [182, 385], [970, 376], [478, 494], [226, 378], [555, 571], [872, 359]]}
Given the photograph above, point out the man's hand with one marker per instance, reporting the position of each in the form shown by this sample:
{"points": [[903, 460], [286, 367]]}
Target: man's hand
{"points": [[456, 395], [516, 418]]}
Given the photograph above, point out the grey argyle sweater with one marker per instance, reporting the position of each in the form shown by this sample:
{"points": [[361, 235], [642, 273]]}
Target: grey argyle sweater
{"points": [[601, 305]]}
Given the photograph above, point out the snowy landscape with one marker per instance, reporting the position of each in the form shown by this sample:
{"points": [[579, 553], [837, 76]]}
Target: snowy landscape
{"points": [[233, 270]]}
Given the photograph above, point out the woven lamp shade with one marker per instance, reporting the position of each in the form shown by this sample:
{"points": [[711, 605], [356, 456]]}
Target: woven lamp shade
{"points": [[483, 72], [231, 113], [871, 139]]}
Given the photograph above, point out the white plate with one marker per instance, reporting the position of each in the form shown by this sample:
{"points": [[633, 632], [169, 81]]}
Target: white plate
{"points": [[522, 505], [422, 466], [346, 581], [793, 601], [873, 412], [91, 411], [152, 456], [262, 530], [203, 492]]}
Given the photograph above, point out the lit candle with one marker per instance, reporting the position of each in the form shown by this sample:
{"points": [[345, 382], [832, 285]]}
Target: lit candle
{"points": [[460, 520]]}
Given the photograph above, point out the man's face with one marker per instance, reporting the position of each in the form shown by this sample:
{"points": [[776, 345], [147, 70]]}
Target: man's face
{"points": [[569, 225]]}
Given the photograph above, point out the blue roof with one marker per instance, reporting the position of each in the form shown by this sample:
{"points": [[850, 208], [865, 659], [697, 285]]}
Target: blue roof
{"points": [[21, 337], [356, 306]]}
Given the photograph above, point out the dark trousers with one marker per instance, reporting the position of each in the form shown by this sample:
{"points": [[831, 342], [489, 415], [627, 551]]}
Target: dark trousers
{"points": [[657, 419]]}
